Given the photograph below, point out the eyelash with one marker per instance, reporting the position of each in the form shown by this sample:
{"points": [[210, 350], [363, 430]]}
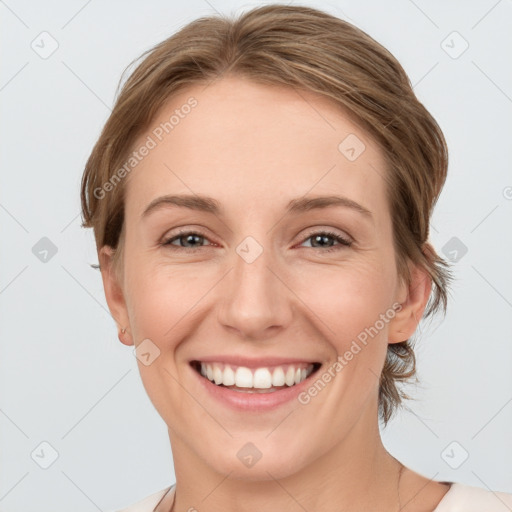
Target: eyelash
{"points": [[343, 242]]}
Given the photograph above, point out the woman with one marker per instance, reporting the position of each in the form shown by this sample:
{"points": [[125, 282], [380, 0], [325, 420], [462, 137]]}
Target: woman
{"points": [[260, 198]]}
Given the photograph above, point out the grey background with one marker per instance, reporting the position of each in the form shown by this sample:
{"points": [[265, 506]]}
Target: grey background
{"points": [[66, 380]]}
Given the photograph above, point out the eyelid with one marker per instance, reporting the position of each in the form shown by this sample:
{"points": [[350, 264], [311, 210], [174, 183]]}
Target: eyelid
{"points": [[195, 229], [329, 230]]}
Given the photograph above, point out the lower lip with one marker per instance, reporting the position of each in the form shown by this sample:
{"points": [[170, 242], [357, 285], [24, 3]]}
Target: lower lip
{"points": [[241, 400]]}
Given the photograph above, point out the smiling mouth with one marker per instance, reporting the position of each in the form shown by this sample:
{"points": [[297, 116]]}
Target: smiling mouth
{"points": [[264, 379]]}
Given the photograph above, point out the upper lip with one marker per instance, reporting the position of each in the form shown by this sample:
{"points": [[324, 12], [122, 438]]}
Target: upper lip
{"points": [[256, 362]]}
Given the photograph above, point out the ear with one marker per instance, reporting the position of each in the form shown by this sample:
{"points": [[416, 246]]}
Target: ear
{"points": [[114, 294], [413, 300]]}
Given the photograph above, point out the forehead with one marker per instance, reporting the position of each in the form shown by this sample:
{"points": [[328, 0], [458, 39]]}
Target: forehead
{"points": [[249, 145]]}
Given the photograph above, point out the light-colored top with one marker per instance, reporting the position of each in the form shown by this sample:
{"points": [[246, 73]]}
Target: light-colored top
{"points": [[459, 498]]}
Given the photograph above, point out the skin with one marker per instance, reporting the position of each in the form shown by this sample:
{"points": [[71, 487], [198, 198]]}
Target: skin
{"points": [[254, 148]]}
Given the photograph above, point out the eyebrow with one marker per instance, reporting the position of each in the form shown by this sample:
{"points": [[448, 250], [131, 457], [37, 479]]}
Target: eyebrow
{"points": [[295, 206]]}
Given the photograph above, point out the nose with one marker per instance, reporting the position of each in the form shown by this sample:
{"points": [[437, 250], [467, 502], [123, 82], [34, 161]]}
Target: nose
{"points": [[255, 303]]}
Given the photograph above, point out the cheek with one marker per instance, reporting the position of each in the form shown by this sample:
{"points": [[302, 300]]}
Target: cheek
{"points": [[163, 301], [349, 302], [160, 299], [347, 298], [168, 302]]}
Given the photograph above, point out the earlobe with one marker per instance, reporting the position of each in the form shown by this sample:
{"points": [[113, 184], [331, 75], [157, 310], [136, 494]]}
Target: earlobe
{"points": [[408, 316], [114, 294]]}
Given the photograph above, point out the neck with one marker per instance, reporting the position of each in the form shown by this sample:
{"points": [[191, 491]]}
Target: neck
{"points": [[357, 474]]}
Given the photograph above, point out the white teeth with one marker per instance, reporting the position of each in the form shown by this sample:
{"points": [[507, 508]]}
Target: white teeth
{"points": [[259, 378], [217, 374], [243, 377], [229, 377], [262, 379], [290, 376], [278, 377]]}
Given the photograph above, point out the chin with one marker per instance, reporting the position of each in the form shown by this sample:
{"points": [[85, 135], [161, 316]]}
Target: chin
{"points": [[261, 471], [258, 461]]}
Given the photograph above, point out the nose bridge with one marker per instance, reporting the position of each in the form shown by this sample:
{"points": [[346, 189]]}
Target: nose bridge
{"points": [[255, 299]]}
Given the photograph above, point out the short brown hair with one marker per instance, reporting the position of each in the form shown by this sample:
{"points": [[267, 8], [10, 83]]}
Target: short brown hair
{"points": [[307, 49]]}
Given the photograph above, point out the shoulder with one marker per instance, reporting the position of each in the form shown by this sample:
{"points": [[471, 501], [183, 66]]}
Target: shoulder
{"points": [[466, 498], [147, 504]]}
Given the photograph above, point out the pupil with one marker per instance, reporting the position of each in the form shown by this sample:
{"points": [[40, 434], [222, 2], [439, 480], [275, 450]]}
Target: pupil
{"points": [[319, 238], [190, 238]]}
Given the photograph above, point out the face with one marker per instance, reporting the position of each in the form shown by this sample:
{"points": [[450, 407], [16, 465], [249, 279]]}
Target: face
{"points": [[264, 281]]}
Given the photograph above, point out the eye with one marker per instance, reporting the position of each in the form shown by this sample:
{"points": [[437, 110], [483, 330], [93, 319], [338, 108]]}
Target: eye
{"points": [[322, 237], [183, 238]]}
